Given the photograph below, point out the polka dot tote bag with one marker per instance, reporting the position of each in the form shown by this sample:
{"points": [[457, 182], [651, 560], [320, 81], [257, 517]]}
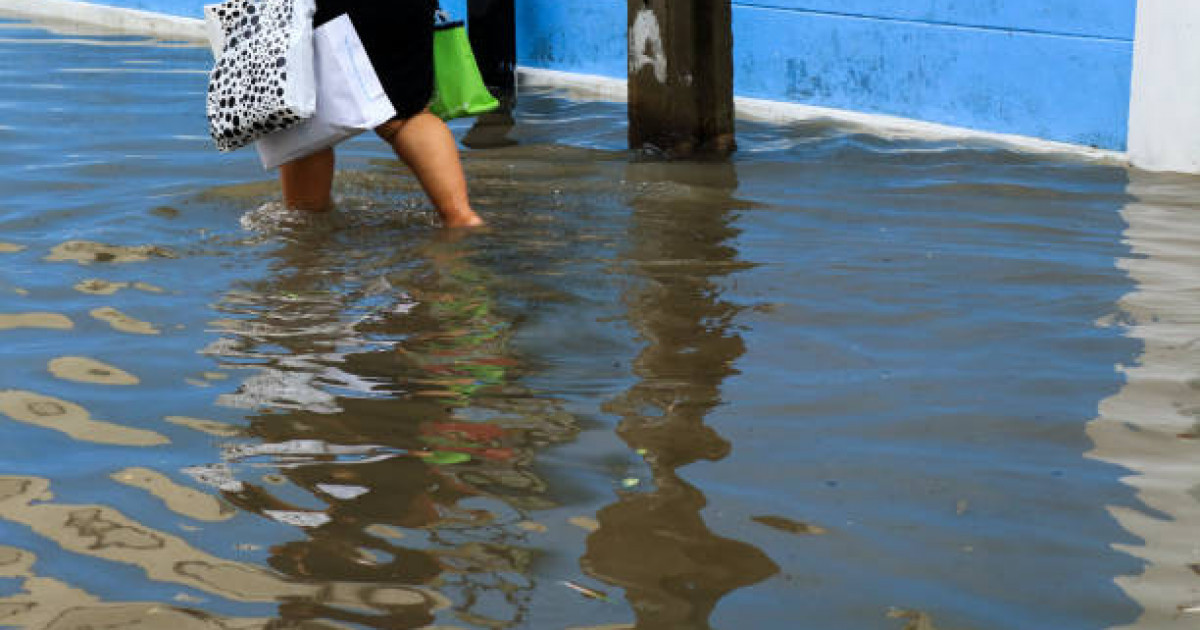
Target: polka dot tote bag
{"points": [[264, 78]]}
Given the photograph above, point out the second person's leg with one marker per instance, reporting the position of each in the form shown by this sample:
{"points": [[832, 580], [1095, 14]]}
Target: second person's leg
{"points": [[308, 182]]}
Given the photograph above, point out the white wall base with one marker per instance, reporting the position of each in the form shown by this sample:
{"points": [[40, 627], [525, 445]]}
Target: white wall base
{"points": [[1164, 119], [588, 87]]}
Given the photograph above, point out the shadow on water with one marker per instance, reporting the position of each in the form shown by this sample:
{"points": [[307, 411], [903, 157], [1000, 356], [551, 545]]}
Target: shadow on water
{"points": [[653, 541]]}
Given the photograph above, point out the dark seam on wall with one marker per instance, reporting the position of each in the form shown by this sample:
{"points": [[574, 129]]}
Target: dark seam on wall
{"points": [[978, 27]]}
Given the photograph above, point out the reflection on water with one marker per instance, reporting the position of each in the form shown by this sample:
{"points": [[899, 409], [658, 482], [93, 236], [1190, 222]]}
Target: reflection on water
{"points": [[61, 415], [383, 390], [1151, 426], [101, 532], [840, 379], [87, 370], [653, 541]]}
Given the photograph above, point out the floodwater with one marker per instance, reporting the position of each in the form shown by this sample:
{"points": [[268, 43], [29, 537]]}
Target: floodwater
{"points": [[839, 382]]}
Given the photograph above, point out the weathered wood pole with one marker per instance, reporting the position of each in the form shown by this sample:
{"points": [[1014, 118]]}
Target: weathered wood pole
{"points": [[492, 29], [681, 77]]}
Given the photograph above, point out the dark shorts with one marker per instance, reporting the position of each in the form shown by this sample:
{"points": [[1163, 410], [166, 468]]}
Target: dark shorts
{"points": [[398, 36]]}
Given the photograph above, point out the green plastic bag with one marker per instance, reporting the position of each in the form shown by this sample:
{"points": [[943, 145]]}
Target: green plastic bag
{"points": [[458, 89]]}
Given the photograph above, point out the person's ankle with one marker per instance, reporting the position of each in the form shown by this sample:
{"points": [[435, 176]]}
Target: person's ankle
{"points": [[462, 217], [472, 220]]}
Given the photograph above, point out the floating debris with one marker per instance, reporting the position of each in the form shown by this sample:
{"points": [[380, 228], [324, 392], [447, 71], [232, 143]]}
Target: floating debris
{"points": [[85, 370], [10, 248], [790, 526], [590, 593], [123, 322], [52, 321], [531, 526]]}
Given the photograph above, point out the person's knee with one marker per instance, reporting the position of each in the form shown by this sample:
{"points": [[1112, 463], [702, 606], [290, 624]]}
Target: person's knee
{"points": [[390, 129]]}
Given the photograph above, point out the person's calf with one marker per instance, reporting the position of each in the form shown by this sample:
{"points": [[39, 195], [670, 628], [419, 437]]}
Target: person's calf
{"points": [[425, 144], [307, 182]]}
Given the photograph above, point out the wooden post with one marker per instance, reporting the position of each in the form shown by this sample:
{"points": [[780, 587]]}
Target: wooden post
{"points": [[681, 77]]}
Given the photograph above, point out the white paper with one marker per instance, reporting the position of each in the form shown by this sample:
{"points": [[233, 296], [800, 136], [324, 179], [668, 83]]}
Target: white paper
{"points": [[350, 98]]}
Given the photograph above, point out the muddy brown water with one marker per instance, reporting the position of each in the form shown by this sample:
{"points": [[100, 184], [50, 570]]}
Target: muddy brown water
{"points": [[836, 382]]}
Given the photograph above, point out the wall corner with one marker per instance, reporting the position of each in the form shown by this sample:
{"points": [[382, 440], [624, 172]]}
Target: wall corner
{"points": [[1164, 110]]}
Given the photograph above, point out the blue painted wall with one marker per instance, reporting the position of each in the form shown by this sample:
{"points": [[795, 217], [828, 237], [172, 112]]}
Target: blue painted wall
{"points": [[1068, 87], [1054, 69], [587, 36]]}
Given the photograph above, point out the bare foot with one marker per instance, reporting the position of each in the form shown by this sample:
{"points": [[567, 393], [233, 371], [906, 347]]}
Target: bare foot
{"points": [[463, 221]]}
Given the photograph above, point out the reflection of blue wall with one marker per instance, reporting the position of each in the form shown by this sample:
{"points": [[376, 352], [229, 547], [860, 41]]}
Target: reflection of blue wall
{"points": [[1054, 69]]}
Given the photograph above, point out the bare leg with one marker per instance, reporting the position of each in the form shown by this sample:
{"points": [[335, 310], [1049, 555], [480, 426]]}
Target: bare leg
{"points": [[426, 145], [308, 182]]}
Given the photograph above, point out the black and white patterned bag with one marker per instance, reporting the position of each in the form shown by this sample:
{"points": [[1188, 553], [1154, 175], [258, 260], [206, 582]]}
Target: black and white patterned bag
{"points": [[264, 79]]}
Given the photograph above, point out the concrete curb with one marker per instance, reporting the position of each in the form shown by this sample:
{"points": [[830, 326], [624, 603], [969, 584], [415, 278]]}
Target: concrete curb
{"points": [[57, 13]]}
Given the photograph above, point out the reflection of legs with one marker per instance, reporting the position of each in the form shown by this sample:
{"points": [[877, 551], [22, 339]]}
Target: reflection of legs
{"points": [[425, 144], [308, 182]]}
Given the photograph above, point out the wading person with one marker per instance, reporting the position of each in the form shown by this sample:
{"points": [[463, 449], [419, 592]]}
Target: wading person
{"points": [[398, 38]]}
